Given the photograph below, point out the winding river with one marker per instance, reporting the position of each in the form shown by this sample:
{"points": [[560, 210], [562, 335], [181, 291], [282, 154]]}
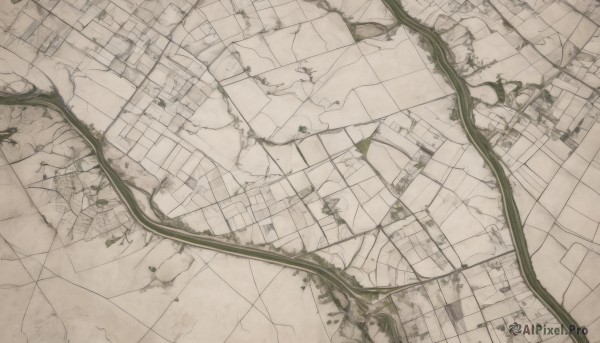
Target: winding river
{"points": [[362, 296]]}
